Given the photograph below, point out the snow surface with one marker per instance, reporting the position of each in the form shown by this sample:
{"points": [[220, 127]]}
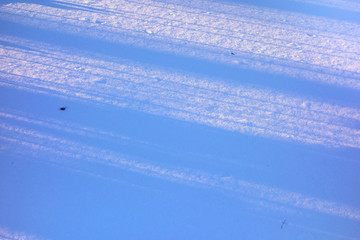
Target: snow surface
{"points": [[183, 119]]}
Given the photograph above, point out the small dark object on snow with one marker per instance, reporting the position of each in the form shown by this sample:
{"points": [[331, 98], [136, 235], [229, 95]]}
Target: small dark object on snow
{"points": [[232, 53], [63, 108]]}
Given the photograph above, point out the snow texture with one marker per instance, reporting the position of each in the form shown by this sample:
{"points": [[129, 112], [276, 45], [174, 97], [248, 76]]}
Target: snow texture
{"points": [[220, 118]]}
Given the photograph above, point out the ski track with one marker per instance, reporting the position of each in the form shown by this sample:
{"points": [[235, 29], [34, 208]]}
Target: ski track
{"points": [[280, 44], [32, 143], [204, 101]]}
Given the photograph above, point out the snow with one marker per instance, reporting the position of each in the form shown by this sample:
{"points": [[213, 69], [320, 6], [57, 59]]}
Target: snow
{"points": [[183, 119]]}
